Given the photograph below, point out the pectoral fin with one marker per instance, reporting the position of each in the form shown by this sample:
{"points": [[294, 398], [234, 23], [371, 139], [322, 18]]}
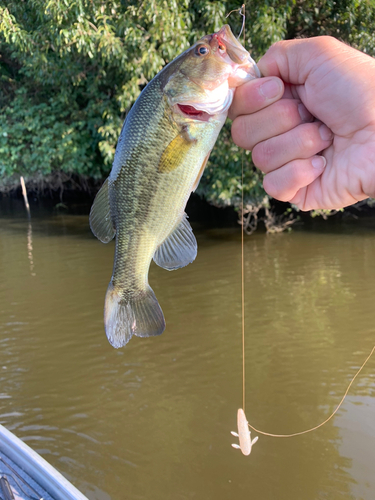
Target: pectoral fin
{"points": [[100, 216], [179, 249], [175, 153]]}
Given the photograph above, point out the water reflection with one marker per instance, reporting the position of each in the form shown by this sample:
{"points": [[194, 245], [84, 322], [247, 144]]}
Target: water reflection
{"points": [[355, 426], [30, 248], [154, 420]]}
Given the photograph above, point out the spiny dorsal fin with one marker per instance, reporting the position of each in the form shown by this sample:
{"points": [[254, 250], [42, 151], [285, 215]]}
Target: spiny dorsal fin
{"points": [[179, 249], [100, 216]]}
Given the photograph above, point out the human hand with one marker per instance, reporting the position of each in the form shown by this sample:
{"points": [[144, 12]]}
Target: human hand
{"points": [[324, 163]]}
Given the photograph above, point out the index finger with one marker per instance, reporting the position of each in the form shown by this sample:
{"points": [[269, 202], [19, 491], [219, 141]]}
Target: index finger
{"points": [[256, 95]]}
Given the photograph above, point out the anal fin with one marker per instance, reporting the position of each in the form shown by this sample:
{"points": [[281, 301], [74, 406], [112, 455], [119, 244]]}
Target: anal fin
{"points": [[179, 249]]}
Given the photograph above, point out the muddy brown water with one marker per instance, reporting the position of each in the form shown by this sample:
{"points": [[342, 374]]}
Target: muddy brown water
{"points": [[152, 421]]}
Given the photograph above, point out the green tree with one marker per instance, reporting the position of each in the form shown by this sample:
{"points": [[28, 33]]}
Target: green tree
{"points": [[71, 69]]}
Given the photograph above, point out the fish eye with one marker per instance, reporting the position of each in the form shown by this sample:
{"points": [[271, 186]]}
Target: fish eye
{"points": [[201, 50]]}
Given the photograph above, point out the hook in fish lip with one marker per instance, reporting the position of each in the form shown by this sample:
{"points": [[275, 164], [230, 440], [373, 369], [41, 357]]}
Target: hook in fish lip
{"points": [[243, 20], [239, 10], [234, 50]]}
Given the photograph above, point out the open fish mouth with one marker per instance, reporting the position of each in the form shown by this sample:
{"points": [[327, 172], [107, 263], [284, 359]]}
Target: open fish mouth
{"points": [[218, 101], [192, 112]]}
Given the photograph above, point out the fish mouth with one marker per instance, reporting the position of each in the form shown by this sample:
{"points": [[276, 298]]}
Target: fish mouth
{"points": [[191, 112], [235, 55]]}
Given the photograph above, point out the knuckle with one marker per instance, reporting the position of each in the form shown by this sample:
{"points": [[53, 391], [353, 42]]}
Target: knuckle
{"points": [[269, 186], [262, 154], [235, 131], [299, 201], [279, 45], [241, 132], [286, 111], [256, 155], [326, 39], [273, 189], [306, 140]]}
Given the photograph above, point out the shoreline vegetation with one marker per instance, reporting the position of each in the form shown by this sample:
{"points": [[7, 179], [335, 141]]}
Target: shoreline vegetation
{"points": [[70, 193], [70, 71]]}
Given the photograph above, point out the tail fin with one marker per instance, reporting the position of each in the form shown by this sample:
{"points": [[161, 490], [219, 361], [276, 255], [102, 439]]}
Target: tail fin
{"points": [[140, 315]]}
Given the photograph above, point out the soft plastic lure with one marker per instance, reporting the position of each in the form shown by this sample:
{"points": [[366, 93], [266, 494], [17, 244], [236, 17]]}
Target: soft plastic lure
{"points": [[244, 434]]}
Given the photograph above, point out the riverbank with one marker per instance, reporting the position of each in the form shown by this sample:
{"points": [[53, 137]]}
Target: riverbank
{"points": [[77, 199], [74, 195]]}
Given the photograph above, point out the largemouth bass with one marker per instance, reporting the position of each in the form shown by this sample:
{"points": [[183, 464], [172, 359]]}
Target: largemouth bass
{"points": [[163, 148]]}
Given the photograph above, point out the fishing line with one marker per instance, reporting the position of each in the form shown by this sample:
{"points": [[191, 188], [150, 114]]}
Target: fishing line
{"points": [[242, 288], [327, 419], [241, 11]]}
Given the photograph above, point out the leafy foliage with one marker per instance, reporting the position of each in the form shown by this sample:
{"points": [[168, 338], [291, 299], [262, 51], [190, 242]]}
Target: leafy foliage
{"points": [[71, 69]]}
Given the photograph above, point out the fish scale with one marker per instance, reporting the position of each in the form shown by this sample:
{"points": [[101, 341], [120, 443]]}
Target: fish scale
{"points": [[161, 153]]}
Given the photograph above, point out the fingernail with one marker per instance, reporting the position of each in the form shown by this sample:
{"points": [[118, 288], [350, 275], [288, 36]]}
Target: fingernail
{"points": [[304, 113], [270, 88], [319, 162], [325, 133]]}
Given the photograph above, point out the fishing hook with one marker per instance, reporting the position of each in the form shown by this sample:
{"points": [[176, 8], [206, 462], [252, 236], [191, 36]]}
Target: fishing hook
{"points": [[241, 13]]}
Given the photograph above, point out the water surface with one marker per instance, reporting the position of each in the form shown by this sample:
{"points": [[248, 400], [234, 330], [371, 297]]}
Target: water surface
{"points": [[153, 420]]}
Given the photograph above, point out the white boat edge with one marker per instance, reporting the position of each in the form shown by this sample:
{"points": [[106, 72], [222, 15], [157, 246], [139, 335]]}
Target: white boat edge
{"points": [[37, 468]]}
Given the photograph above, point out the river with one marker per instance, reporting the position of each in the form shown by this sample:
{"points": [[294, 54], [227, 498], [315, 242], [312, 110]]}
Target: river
{"points": [[153, 420]]}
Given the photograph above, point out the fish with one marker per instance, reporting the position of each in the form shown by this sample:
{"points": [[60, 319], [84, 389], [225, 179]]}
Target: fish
{"points": [[162, 150], [243, 434]]}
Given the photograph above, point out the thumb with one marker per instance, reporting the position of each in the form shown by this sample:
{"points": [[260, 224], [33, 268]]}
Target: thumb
{"points": [[334, 81], [294, 60]]}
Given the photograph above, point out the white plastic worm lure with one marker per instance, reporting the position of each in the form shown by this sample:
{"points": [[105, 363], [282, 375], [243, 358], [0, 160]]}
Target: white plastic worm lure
{"points": [[243, 434]]}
